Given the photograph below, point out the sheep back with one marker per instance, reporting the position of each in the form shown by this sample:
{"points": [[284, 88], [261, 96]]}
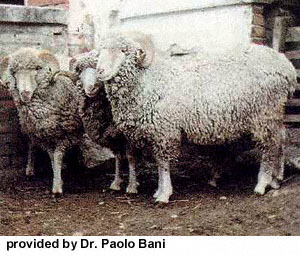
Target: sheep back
{"points": [[213, 100]]}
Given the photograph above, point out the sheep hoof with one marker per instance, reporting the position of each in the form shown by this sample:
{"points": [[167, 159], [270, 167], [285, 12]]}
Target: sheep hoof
{"points": [[163, 198], [274, 184], [57, 189], [279, 177], [29, 172], [115, 186], [132, 189], [156, 194], [213, 183], [260, 190], [29, 177]]}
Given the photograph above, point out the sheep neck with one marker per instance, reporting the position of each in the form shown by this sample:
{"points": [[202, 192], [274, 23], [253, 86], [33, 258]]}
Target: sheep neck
{"points": [[28, 114], [123, 89]]}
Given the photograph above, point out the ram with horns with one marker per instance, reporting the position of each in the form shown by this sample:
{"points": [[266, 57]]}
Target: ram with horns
{"points": [[211, 100], [47, 106]]}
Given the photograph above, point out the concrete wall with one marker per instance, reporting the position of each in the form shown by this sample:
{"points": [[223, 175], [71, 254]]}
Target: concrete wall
{"points": [[218, 25], [208, 25]]}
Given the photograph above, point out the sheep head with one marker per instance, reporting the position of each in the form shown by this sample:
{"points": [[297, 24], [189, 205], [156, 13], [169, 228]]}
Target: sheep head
{"points": [[117, 49], [84, 66], [27, 69]]}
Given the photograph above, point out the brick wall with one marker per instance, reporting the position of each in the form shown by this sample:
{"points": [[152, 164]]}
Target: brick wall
{"points": [[258, 33], [52, 3], [265, 15], [13, 146]]}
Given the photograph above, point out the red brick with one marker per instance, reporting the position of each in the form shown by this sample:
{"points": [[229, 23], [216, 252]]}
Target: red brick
{"points": [[258, 31], [47, 2], [11, 138], [258, 19], [294, 54], [4, 94], [9, 127], [8, 114], [9, 149], [7, 104], [4, 162], [259, 41], [259, 9], [18, 162]]}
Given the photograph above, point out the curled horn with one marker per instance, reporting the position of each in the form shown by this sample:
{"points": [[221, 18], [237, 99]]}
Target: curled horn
{"points": [[72, 64], [49, 59], [146, 45], [68, 74]]}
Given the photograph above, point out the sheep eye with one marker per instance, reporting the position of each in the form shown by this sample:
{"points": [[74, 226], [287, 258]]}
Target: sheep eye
{"points": [[38, 68]]}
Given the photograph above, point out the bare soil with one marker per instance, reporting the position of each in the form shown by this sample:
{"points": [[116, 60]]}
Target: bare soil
{"points": [[89, 208]]}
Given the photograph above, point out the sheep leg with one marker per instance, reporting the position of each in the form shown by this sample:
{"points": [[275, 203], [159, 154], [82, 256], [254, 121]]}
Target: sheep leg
{"points": [[282, 154], [278, 174], [56, 161], [30, 161], [159, 189], [133, 184], [214, 179], [115, 185], [165, 189], [271, 164]]}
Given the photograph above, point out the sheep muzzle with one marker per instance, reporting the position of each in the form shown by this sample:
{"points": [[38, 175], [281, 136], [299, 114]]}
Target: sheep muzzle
{"points": [[26, 96], [91, 90]]}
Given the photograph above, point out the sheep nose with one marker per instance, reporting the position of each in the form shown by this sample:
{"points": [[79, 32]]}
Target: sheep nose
{"points": [[91, 88], [26, 96], [91, 91]]}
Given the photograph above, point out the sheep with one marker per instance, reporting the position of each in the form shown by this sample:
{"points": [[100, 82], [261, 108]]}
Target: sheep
{"points": [[156, 99], [95, 111], [47, 105]]}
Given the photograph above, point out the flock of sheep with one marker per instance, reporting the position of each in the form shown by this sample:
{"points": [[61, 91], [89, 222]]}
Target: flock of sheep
{"points": [[127, 96]]}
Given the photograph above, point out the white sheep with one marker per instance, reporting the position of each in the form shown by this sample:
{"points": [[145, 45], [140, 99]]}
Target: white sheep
{"points": [[155, 99]]}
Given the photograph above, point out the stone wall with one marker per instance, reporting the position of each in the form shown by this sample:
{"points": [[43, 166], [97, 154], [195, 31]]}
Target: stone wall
{"points": [[33, 27], [19, 27]]}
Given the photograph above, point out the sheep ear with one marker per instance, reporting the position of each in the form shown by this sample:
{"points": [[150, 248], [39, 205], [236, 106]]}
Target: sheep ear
{"points": [[4, 71], [141, 56], [147, 52], [49, 59]]}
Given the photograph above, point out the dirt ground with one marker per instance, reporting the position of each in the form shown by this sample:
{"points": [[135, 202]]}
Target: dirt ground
{"points": [[89, 208]]}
